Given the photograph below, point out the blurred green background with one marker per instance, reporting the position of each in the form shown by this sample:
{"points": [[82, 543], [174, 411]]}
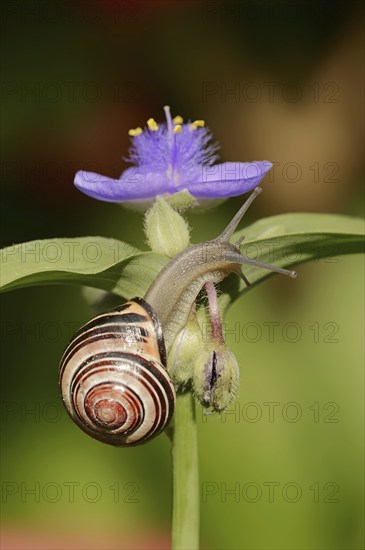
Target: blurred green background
{"points": [[274, 80]]}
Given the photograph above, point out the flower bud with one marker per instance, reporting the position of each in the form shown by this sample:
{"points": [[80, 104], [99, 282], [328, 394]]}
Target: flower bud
{"points": [[167, 232], [216, 376], [184, 350]]}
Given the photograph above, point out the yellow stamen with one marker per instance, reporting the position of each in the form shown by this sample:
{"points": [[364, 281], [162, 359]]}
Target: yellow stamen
{"points": [[135, 132], [177, 129], [178, 119], [197, 124], [152, 124]]}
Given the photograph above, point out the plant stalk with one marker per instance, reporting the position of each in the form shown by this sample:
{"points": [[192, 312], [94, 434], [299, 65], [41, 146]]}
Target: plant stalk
{"points": [[185, 515]]}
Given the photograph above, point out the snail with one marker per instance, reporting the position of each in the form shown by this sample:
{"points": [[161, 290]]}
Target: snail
{"points": [[113, 375]]}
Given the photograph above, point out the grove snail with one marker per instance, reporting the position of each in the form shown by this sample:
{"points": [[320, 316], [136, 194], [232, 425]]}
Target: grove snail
{"points": [[113, 375]]}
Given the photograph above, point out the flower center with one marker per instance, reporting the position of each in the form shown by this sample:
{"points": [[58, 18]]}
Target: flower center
{"points": [[174, 149]]}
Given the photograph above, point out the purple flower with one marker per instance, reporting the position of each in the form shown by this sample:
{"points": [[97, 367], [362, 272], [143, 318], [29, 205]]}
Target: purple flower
{"points": [[170, 157]]}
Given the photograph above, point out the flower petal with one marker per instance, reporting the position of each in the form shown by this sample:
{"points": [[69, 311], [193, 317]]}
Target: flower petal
{"points": [[227, 179], [133, 184]]}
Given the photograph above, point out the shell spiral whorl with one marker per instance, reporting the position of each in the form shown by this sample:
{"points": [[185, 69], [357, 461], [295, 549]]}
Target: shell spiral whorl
{"points": [[113, 376]]}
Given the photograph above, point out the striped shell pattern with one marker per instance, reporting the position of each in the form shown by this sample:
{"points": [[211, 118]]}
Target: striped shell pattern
{"points": [[113, 376]]}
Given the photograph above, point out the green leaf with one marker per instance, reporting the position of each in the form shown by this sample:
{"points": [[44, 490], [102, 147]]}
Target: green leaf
{"points": [[98, 262], [290, 239], [117, 267]]}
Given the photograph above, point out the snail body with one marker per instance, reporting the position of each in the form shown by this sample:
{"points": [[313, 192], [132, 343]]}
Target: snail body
{"points": [[113, 375]]}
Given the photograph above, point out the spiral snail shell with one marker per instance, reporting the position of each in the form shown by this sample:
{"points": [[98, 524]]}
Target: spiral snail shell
{"points": [[113, 375]]}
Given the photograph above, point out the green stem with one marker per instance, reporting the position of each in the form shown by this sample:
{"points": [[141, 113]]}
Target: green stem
{"points": [[185, 515]]}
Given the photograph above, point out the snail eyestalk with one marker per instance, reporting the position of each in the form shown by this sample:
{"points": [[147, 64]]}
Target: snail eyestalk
{"points": [[240, 259], [229, 230]]}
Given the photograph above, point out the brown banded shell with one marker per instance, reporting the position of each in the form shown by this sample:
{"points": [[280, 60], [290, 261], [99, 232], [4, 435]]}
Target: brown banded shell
{"points": [[113, 376]]}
